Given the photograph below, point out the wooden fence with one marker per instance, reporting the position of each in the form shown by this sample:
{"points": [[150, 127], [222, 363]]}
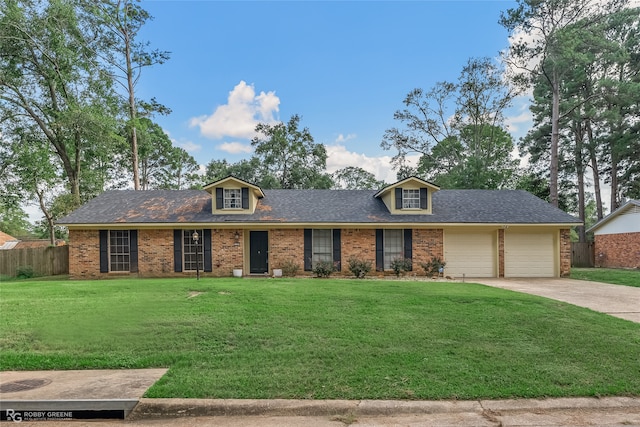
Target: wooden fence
{"points": [[582, 254], [47, 261]]}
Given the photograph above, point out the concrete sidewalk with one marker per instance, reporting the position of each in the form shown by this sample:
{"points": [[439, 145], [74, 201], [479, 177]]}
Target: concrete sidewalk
{"points": [[615, 300], [77, 390]]}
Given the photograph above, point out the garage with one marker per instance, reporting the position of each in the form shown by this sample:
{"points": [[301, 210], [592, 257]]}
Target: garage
{"points": [[470, 254], [529, 254]]}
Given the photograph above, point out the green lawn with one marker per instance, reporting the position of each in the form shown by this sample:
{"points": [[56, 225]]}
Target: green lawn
{"points": [[608, 275], [321, 339]]}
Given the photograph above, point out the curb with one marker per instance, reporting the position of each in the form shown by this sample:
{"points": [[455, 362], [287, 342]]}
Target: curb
{"points": [[172, 408]]}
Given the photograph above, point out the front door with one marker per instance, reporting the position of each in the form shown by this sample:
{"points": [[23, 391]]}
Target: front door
{"points": [[258, 252]]}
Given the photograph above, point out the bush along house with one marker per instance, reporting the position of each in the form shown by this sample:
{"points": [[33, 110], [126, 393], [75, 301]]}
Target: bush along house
{"points": [[477, 233]]}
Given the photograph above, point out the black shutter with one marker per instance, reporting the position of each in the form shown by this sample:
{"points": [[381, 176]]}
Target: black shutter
{"points": [[219, 198], [379, 250], [104, 251], [207, 249], [133, 251], [398, 198], [336, 249], [423, 198], [308, 241], [177, 251], [245, 198], [408, 241]]}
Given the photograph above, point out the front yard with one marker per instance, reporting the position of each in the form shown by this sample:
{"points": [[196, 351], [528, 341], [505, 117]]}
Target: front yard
{"points": [[321, 339], [617, 276]]}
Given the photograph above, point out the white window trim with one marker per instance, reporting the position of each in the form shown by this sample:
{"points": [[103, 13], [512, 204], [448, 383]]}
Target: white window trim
{"points": [[227, 199], [128, 254], [405, 199], [386, 261], [200, 249], [313, 246]]}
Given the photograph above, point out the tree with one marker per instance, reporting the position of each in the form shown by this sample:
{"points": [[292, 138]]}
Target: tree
{"points": [[247, 169], [355, 178], [457, 130], [51, 84], [119, 23], [290, 155], [535, 51]]}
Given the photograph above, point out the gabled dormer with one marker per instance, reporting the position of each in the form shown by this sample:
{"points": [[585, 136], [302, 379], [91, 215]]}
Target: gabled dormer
{"points": [[232, 195], [411, 196]]}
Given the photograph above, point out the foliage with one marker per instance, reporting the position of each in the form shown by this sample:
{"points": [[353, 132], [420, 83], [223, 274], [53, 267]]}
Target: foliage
{"points": [[161, 165], [616, 276], [14, 220], [323, 268], [401, 265], [434, 267], [359, 267], [355, 178], [361, 342], [290, 155], [466, 147], [25, 272], [289, 268], [247, 170]]}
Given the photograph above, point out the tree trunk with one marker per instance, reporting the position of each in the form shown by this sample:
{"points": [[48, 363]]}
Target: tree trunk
{"points": [[595, 169], [579, 135], [132, 113], [555, 138]]}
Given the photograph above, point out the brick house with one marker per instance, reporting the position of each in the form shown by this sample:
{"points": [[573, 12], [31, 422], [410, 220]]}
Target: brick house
{"points": [[478, 233], [617, 237]]}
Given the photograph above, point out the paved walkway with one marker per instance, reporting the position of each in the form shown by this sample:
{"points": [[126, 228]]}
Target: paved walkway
{"points": [[616, 300]]}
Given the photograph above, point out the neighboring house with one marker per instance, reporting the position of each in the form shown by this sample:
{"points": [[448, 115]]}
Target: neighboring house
{"points": [[617, 237], [478, 233], [7, 241]]}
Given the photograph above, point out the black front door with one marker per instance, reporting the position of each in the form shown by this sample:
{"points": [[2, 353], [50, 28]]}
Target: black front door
{"points": [[258, 252]]}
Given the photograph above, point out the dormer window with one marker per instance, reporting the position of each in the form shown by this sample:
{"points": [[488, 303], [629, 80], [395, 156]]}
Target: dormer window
{"points": [[410, 198], [232, 198]]}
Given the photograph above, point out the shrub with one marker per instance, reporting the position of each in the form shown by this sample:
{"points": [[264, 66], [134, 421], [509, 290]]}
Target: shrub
{"points": [[359, 267], [289, 268], [401, 266], [323, 268], [433, 267], [25, 272]]}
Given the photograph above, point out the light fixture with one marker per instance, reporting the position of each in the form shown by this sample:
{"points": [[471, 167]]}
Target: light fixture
{"points": [[236, 236], [195, 236]]}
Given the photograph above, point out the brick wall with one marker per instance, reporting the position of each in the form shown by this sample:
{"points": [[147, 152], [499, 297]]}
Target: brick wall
{"points": [[286, 245], [226, 251], [565, 252], [618, 250], [155, 253], [84, 254], [427, 244]]}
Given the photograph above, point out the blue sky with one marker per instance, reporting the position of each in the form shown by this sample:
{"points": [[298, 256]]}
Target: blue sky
{"points": [[344, 66]]}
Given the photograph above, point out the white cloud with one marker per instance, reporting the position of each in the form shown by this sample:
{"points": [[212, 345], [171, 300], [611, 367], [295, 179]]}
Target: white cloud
{"points": [[188, 146], [235, 147], [239, 117], [339, 157], [342, 138]]}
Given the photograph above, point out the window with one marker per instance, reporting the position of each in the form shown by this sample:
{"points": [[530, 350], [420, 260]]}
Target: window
{"points": [[322, 248], [189, 248], [232, 198], [119, 252], [410, 198], [393, 247]]}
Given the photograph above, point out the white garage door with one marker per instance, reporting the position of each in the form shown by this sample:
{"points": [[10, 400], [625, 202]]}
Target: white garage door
{"points": [[470, 254], [529, 254]]}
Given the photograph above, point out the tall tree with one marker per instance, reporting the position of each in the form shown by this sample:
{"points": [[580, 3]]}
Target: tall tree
{"points": [[355, 178], [290, 155], [534, 25], [457, 128], [119, 23], [51, 83]]}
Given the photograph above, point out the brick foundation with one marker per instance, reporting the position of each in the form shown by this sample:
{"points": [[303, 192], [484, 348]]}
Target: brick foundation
{"points": [[565, 253], [617, 250]]}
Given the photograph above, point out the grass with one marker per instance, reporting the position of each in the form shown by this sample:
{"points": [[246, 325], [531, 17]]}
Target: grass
{"points": [[608, 275], [321, 339]]}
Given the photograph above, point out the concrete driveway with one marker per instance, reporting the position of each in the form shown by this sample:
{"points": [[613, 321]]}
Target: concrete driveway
{"points": [[615, 300]]}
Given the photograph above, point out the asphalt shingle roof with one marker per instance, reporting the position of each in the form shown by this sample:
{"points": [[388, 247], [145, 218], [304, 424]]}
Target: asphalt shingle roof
{"points": [[316, 206]]}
